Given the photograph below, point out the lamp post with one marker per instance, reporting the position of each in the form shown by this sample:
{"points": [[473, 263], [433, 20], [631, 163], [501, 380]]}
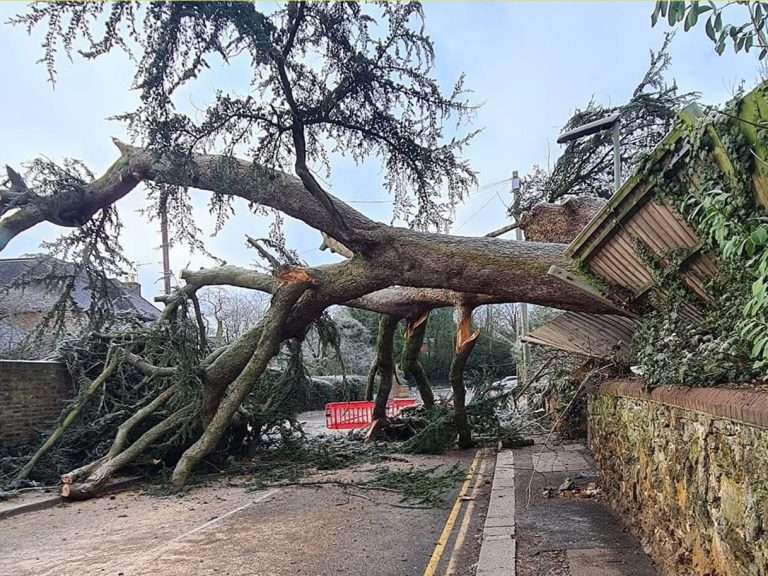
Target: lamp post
{"points": [[609, 123]]}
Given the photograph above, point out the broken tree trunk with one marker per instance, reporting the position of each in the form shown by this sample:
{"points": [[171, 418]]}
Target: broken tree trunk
{"points": [[409, 359], [385, 367], [429, 270], [465, 343]]}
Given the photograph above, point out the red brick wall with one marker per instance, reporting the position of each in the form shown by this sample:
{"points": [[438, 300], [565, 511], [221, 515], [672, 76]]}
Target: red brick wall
{"points": [[740, 405], [32, 395]]}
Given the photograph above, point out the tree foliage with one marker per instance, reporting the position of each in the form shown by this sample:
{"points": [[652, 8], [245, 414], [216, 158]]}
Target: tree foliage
{"points": [[357, 76], [585, 167], [324, 78], [747, 34]]}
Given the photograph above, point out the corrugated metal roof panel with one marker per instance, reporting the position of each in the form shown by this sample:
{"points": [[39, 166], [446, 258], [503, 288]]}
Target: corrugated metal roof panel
{"points": [[591, 335]]}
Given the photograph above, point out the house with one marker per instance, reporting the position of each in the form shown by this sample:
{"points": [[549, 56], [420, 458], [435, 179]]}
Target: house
{"points": [[26, 297]]}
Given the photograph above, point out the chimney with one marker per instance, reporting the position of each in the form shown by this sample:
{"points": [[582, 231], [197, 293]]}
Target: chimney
{"points": [[131, 284]]}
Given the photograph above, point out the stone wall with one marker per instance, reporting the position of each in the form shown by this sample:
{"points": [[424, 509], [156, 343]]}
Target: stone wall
{"points": [[687, 470], [32, 395]]}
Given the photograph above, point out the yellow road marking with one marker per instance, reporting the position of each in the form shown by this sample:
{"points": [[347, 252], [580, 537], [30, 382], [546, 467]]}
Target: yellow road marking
{"points": [[462, 533], [443, 540]]}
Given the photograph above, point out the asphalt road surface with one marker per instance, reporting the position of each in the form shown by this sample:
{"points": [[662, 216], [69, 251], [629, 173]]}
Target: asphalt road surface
{"points": [[223, 529]]}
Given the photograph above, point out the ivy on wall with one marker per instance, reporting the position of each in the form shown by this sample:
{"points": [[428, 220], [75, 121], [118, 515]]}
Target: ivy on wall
{"points": [[715, 191]]}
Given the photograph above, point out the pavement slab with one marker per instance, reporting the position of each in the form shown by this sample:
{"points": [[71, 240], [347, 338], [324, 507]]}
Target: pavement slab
{"points": [[606, 562]]}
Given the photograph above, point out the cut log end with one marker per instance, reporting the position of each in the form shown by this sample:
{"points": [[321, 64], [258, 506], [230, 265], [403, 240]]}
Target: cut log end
{"points": [[79, 491]]}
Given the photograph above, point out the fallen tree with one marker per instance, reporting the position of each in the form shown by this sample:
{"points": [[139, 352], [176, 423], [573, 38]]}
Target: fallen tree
{"points": [[372, 95]]}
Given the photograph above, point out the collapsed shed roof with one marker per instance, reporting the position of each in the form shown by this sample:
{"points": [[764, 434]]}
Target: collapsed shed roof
{"points": [[591, 335], [640, 219]]}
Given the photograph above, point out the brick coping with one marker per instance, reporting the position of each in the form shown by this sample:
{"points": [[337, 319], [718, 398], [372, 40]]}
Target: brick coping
{"points": [[740, 405]]}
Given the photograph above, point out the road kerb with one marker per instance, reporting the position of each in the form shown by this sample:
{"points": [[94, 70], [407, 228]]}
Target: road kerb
{"points": [[498, 550]]}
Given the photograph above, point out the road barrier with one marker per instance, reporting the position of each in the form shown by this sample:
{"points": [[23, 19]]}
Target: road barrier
{"points": [[349, 415]]}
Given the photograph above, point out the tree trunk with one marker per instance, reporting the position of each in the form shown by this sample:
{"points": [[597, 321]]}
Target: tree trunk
{"points": [[225, 369], [409, 359], [370, 384], [385, 364], [513, 270], [465, 343], [268, 346]]}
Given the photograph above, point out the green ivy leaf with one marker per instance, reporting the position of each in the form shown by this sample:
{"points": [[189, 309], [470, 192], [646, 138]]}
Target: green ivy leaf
{"points": [[710, 30], [659, 10]]}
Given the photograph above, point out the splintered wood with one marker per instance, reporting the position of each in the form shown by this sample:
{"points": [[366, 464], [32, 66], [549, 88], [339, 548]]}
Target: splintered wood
{"points": [[464, 334], [288, 275], [411, 326]]}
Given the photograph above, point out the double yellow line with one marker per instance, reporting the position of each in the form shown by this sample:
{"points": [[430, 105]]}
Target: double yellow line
{"points": [[452, 517]]}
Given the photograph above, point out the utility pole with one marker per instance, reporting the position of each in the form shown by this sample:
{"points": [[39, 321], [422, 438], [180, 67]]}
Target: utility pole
{"points": [[522, 308], [165, 248], [616, 132]]}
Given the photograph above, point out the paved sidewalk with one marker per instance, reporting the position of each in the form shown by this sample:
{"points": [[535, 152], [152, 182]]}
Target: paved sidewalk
{"points": [[534, 529]]}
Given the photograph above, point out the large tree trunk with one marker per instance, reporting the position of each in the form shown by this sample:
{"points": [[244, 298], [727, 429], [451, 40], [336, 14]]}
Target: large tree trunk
{"points": [[409, 359], [396, 271], [514, 271], [465, 343]]}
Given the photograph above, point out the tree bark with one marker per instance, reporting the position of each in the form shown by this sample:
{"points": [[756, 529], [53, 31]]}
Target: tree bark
{"points": [[514, 271], [370, 384], [409, 359], [465, 343], [268, 346], [385, 364]]}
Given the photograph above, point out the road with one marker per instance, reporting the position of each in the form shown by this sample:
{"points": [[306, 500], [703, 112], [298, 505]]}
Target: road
{"points": [[223, 529]]}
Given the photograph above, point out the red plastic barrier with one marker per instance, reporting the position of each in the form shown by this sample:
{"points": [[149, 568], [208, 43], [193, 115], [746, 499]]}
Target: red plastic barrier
{"points": [[349, 415]]}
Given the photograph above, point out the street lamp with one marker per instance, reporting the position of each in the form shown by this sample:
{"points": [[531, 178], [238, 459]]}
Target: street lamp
{"points": [[609, 123]]}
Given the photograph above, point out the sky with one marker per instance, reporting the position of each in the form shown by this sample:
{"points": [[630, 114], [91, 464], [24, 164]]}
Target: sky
{"points": [[529, 64]]}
